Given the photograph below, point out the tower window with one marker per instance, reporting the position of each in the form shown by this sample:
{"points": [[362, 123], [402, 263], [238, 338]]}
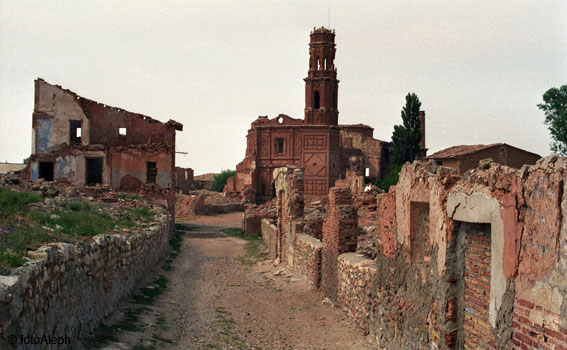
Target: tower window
{"points": [[317, 102], [279, 146]]}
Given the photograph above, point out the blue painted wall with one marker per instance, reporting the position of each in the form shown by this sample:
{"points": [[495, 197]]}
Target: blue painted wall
{"points": [[43, 130]]}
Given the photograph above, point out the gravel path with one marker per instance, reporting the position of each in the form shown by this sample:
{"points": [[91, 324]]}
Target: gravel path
{"points": [[216, 300]]}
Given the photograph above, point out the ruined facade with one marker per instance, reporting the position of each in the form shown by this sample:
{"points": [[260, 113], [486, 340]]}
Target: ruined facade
{"points": [[463, 158], [84, 142], [317, 143], [184, 180], [472, 261]]}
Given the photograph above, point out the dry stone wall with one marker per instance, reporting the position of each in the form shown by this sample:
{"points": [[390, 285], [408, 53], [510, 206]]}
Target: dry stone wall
{"points": [[69, 288], [356, 277]]}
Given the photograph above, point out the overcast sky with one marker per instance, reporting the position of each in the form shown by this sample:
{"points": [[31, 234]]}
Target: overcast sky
{"points": [[478, 67]]}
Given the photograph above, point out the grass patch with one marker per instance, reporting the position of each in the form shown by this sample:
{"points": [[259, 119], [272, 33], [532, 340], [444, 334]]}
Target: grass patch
{"points": [[143, 347], [227, 333], [81, 220], [109, 333], [175, 244], [14, 202], [160, 338], [183, 227], [150, 293], [142, 212], [25, 226], [256, 250], [239, 233]]}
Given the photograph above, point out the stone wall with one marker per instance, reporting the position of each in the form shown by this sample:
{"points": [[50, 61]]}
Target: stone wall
{"points": [[69, 288], [356, 276], [269, 235], [307, 259]]}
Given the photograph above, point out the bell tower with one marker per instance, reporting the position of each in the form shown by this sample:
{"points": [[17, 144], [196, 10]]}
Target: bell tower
{"points": [[321, 84]]}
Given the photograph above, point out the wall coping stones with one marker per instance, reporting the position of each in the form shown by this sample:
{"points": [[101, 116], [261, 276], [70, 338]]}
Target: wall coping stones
{"points": [[312, 241]]}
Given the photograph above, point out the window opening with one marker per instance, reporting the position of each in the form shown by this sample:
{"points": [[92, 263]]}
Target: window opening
{"points": [[122, 131], [151, 173], [317, 98], [279, 146], [75, 131]]}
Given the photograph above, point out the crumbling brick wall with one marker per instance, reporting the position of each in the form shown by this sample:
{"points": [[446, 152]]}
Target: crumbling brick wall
{"points": [[289, 189], [269, 235], [84, 142], [538, 249], [472, 262], [339, 236]]}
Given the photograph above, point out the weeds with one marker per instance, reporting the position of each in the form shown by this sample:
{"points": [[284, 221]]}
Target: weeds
{"points": [[12, 202], [151, 292], [255, 247], [183, 227], [109, 333], [226, 330], [24, 227]]}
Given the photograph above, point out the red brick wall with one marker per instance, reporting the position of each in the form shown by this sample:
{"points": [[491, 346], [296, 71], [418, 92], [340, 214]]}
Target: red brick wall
{"points": [[386, 225], [531, 335], [478, 333], [339, 236]]}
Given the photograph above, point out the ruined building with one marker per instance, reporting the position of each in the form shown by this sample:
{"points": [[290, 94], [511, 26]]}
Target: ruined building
{"points": [[317, 143], [84, 142], [463, 158], [184, 180], [472, 261]]}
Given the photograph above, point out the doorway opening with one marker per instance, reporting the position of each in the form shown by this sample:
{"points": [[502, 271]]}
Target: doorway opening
{"points": [[94, 171], [46, 170]]}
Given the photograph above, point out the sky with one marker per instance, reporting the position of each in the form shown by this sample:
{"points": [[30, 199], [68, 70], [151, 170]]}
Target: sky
{"points": [[479, 67]]}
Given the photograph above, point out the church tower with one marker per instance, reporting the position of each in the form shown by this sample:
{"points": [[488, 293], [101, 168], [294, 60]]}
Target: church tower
{"points": [[321, 84]]}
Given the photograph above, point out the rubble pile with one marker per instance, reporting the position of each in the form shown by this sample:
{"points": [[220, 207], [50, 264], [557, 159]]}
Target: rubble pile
{"points": [[254, 213], [204, 202], [314, 213]]}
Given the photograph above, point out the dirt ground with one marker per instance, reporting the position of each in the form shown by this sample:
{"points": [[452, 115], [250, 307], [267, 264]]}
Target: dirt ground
{"points": [[218, 296]]}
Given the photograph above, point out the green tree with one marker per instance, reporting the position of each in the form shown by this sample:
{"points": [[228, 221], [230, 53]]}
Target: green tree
{"points": [[220, 180], [555, 108], [406, 137], [390, 180]]}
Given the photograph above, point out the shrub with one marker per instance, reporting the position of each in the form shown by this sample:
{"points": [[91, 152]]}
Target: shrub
{"points": [[390, 180], [220, 180]]}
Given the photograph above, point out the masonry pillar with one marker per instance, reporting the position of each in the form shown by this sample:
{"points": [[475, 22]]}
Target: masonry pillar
{"points": [[339, 236], [288, 182]]}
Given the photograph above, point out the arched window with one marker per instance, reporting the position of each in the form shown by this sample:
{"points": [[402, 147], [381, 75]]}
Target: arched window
{"points": [[325, 63], [316, 100], [317, 63]]}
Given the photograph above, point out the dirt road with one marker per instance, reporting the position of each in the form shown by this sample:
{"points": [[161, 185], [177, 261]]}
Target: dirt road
{"points": [[221, 293]]}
